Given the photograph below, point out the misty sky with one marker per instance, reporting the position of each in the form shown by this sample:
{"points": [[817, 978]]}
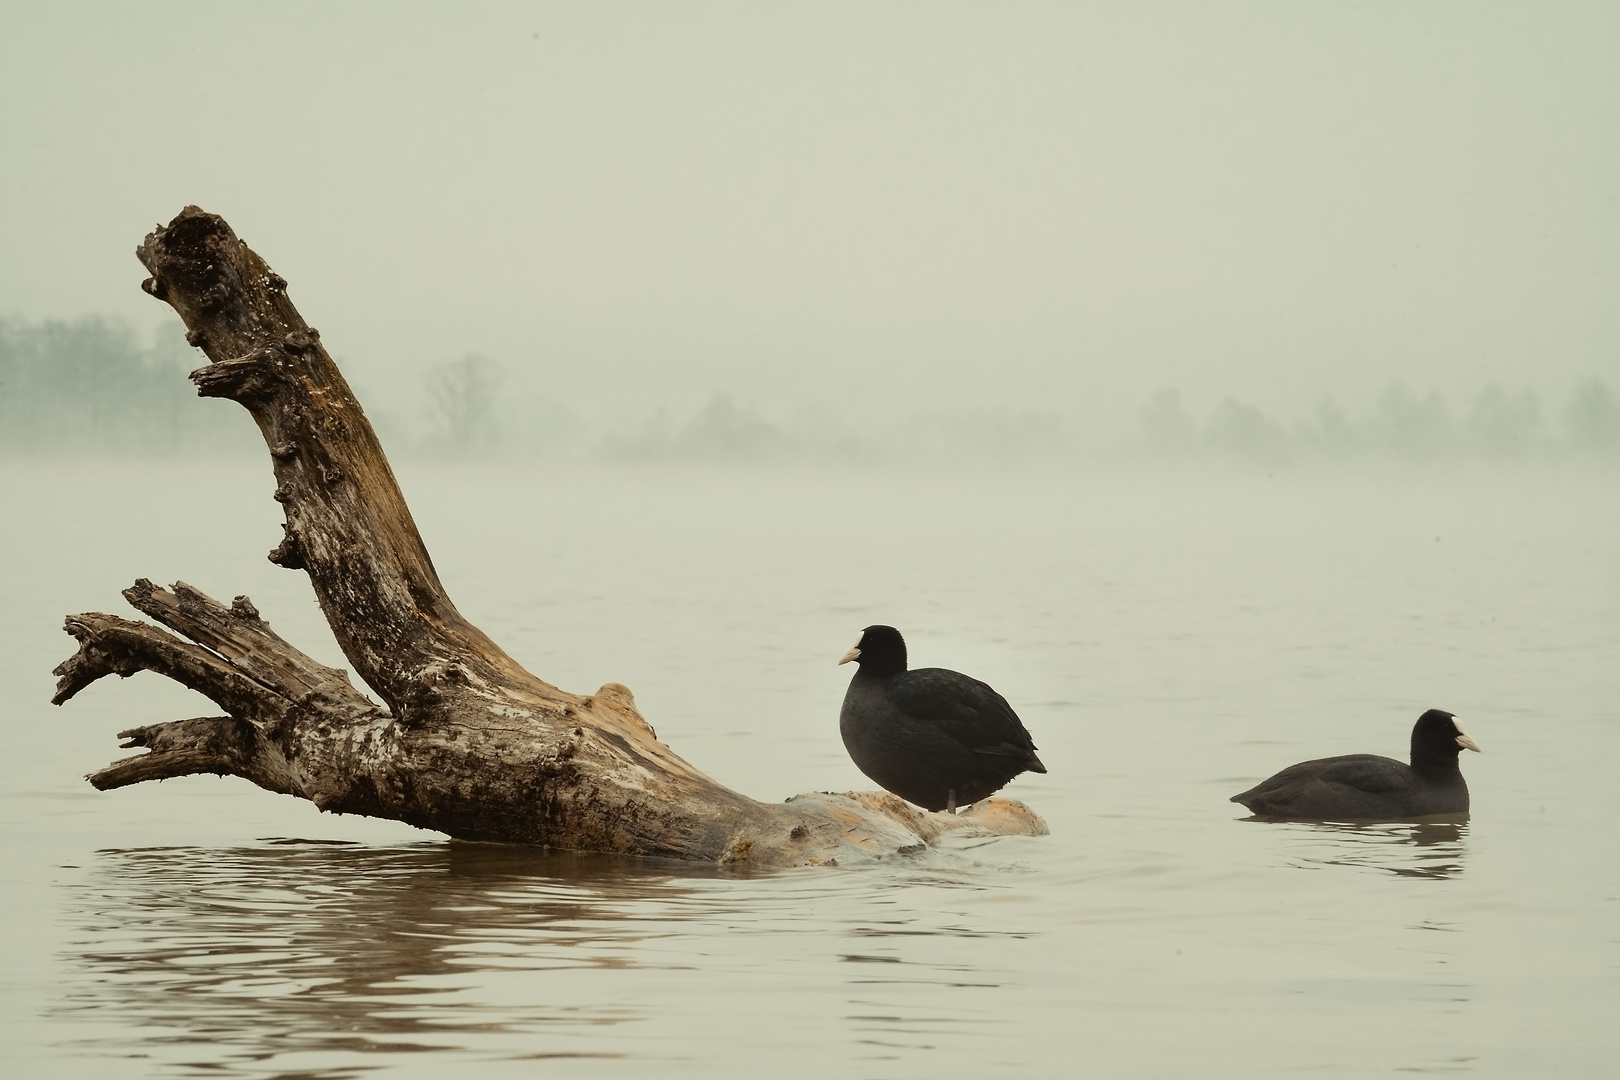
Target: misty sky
{"points": [[870, 206]]}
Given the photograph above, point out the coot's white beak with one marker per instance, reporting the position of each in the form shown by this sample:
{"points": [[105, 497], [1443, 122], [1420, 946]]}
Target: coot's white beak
{"points": [[1463, 740], [853, 654]]}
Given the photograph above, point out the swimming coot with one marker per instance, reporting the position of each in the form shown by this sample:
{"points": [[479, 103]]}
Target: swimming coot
{"points": [[933, 737], [1366, 787]]}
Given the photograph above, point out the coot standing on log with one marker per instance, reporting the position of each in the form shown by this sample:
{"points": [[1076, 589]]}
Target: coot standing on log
{"points": [[933, 737], [1367, 787]]}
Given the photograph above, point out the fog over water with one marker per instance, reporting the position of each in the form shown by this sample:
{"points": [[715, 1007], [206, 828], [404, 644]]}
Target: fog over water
{"points": [[1223, 384]]}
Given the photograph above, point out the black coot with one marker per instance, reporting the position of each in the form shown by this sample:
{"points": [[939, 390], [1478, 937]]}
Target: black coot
{"points": [[933, 737], [1366, 787]]}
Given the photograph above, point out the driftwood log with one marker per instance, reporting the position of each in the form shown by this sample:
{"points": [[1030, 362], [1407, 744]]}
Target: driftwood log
{"points": [[467, 742]]}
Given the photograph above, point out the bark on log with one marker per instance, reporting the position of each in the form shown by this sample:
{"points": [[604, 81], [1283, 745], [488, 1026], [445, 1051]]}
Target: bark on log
{"points": [[466, 741]]}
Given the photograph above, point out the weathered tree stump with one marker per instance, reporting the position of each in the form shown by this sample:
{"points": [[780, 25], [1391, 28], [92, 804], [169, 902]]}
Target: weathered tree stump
{"points": [[467, 742]]}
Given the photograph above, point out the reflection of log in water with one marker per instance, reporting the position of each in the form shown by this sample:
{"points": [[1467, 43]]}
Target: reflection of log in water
{"points": [[1428, 850], [328, 955], [314, 960]]}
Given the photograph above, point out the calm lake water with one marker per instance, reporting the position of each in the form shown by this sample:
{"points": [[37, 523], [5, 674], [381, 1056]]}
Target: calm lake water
{"points": [[1168, 638]]}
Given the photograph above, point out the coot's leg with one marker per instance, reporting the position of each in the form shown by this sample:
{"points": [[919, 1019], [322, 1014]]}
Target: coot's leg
{"points": [[950, 801]]}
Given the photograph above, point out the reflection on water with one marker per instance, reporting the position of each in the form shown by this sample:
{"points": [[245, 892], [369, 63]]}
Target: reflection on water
{"points": [[260, 952], [322, 960], [1432, 849]]}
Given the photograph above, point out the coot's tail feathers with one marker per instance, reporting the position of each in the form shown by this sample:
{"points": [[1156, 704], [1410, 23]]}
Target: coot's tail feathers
{"points": [[1023, 753], [1254, 798]]}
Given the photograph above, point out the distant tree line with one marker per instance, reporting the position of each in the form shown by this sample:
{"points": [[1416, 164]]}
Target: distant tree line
{"points": [[91, 385], [1497, 424], [469, 414], [723, 430]]}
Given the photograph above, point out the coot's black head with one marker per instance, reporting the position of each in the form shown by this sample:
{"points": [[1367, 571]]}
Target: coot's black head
{"points": [[880, 651], [1438, 737]]}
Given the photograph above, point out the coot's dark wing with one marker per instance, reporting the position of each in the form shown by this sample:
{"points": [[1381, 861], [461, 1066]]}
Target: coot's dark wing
{"points": [[1368, 773], [963, 709]]}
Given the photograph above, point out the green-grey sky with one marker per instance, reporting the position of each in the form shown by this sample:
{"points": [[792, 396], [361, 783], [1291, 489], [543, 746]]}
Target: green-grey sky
{"points": [[1060, 206]]}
